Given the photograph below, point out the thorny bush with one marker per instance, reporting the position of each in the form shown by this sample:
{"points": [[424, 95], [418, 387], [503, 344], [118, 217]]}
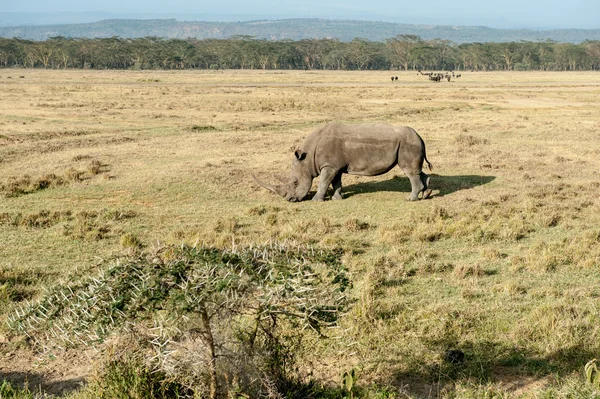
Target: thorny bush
{"points": [[238, 312]]}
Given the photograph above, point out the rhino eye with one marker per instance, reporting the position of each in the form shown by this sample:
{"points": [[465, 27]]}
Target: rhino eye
{"points": [[295, 182]]}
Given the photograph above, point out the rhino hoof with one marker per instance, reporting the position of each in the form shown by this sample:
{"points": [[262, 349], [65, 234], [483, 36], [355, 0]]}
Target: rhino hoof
{"points": [[426, 193], [318, 199], [337, 197]]}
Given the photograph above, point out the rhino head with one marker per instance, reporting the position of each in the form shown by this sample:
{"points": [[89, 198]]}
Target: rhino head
{"points": [[299, 183]]}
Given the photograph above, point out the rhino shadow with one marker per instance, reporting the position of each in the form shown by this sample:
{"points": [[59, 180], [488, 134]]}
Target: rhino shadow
{"points": [[487, 362], [441, 185], [38, 382]]}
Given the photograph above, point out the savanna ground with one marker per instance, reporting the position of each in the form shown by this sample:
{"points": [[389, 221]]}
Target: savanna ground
{"points": [[502, 263]]}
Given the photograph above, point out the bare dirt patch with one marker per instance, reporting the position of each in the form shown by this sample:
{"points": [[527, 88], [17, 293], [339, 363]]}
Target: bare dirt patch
{"points": [[56, 374]]}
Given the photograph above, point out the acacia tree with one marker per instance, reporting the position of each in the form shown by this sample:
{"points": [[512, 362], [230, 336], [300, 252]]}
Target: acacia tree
{"points": [[529, 55], [178, 54], [470, 55], [508, 53], [400, 49], [239, 303], [266, 55], [313, 51], [576, 57], [592, 49], [359, 53], [249, 49], [11, 52], [569, 57], [288, 56], [337, 58], [65, 50], [490, 57], [443, 53], [546, 54], [425, 57], [141, 51], [41, 52], [205, 53]]}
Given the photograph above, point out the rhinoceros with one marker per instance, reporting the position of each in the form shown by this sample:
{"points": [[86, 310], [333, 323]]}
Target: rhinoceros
{"points": [[364, 149]]}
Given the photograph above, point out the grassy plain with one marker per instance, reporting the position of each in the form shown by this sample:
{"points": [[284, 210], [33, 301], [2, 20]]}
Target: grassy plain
{"points": [[501, 263]]}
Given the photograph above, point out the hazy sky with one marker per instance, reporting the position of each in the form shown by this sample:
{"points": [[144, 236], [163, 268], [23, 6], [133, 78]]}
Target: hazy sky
{"points": [[505, 13]]}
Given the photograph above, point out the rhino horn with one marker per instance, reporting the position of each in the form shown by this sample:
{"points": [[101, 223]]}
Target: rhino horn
{"points": [[278, 189], [281, 179]]}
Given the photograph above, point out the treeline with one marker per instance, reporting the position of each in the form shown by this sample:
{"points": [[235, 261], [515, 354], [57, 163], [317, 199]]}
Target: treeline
{"points": [[404, 52]]}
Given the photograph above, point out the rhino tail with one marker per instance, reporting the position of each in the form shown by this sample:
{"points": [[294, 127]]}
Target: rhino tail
{"points": [[429, 164]]}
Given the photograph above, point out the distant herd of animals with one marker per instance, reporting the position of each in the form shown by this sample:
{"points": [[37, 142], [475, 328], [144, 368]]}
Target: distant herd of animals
{"points": [[435, 76]]}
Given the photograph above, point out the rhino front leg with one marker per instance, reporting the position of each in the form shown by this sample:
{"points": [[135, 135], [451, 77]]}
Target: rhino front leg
{"points": [[337, 187], [327, 176]]}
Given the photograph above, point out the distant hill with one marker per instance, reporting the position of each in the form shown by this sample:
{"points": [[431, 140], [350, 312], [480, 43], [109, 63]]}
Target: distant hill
{"points": [[294, 29]]}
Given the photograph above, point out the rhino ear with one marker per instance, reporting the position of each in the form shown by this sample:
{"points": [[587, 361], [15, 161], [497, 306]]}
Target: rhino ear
{"points": [[300, 155]]}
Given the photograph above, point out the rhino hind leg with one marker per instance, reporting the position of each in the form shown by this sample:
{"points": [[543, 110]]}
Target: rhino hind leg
{"points": [[337, 187], [417, 187], [426, 190]]}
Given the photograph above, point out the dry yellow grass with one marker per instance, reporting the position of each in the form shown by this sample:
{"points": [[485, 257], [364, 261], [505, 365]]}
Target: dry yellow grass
{"points": [[502, 262]]}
